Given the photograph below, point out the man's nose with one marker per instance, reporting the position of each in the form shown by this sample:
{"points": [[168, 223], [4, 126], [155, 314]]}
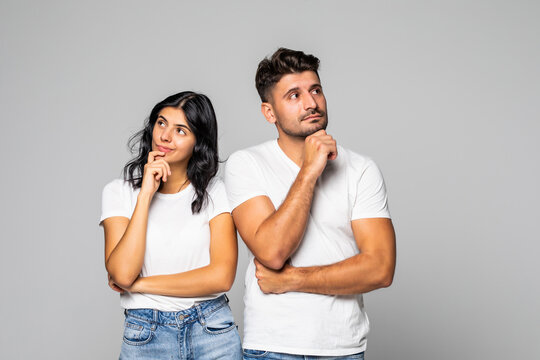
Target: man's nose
{"points": [[309, 102]]}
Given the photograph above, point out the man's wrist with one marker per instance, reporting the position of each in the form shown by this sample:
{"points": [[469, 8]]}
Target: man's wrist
{"points": [[305, 176], [295, 279]]}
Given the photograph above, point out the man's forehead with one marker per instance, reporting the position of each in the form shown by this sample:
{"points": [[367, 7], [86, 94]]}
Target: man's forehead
{"points": [[305, 79]]}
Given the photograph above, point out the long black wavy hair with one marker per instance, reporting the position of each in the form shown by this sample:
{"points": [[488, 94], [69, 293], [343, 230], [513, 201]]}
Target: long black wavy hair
{"points": [[202, 165]]}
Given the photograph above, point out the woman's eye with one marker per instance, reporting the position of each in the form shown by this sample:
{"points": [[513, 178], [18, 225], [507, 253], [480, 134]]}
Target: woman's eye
{"points": [[161, 123], [180, 131]]}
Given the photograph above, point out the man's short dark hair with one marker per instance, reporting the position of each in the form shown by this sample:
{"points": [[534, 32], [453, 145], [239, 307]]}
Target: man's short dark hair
{"points": [[282, 62]]}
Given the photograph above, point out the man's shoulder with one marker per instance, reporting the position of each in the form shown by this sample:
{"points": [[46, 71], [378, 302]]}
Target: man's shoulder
{"points": [[253, 152], [349, 158]]}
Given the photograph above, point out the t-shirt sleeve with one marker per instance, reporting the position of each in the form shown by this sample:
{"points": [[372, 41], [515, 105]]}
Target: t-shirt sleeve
{"points": [[242, 179], [218, 202], [115, 200], [371, 200]]}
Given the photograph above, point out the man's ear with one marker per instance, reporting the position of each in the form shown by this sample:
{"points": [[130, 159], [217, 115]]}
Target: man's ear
{"points": [[268, 112]]}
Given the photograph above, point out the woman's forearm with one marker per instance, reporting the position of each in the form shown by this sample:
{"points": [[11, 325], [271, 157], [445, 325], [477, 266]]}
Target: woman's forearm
{"points": [[125, 262], [207, 280]]}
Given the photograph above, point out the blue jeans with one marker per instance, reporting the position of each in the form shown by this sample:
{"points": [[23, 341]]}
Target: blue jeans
{"points": [[258, 354], [204, 331]]}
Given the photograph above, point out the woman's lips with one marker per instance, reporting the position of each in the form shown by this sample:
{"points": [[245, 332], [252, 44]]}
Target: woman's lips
{"points": [[164, 149]]}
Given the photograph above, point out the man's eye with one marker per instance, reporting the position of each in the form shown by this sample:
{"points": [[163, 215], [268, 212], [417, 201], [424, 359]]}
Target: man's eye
{"points": [[316, 91], [294, 96]]}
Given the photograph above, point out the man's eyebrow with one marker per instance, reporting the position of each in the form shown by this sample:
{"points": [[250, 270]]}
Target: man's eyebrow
{"points": [[290, 91]]}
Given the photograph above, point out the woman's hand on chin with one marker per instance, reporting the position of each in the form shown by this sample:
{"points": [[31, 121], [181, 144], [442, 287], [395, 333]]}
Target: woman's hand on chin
{"points": [[156, 170]]}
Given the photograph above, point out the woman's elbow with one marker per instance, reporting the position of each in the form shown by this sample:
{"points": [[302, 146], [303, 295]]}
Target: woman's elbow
{"points": [[121, 278], [124, 282], [226, 280]]}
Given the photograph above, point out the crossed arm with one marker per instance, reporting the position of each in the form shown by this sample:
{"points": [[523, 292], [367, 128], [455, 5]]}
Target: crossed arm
{"points": [[273, 236], [373, 268], [125, 243]]}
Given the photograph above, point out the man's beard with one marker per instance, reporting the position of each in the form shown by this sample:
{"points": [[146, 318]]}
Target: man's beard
{"points": [[321, 125]]}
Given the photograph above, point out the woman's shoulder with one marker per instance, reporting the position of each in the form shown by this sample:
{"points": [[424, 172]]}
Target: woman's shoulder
{"points": [[218, 201], [117, 186], [215, 185]]}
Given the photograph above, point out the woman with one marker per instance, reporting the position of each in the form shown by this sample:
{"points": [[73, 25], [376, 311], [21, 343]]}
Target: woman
{"points": [[170, 242]]}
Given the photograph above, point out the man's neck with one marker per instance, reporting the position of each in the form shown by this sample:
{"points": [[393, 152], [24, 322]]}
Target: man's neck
{"points": [[293, 147]]}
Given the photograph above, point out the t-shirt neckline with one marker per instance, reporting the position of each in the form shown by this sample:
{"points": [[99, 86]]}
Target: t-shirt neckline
{"points": [[177, 195], [285, 157]]}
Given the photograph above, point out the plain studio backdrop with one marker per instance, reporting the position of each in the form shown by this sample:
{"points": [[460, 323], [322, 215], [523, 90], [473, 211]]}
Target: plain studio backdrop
{"points": [[443, 95]]}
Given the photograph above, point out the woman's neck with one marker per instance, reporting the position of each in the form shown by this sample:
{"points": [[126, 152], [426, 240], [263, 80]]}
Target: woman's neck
{"points": [[176, 182]]}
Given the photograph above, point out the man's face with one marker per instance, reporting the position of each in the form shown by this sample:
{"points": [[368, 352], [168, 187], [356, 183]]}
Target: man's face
{"points": [[298, 104]]}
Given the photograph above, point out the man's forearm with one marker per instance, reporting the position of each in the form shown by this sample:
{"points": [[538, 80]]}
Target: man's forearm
{"points": [[281, 233], [356, 275]]}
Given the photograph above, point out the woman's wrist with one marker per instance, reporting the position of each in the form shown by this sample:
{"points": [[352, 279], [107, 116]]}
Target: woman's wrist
{"points": [[137, 285], [144, 198]]}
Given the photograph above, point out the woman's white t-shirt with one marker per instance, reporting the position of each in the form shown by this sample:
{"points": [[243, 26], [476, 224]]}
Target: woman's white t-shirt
{"points": [[176, 239]]}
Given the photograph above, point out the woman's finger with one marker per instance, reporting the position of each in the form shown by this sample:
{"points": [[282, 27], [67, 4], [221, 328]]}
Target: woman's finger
{"points": [[165, 171], [166, 164], [157, 172], [152, 155], [162, 168]]}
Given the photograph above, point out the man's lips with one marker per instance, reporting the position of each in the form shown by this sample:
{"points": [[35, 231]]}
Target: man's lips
{"points": [[164, 149], [312, 117]]}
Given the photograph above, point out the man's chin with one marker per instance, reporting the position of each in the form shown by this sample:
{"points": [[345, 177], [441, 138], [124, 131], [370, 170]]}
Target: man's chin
{"points": [[308, 129], [316, 127]]}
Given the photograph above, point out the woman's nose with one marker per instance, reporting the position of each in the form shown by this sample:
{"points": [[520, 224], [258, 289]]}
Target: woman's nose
{"points": [[166, 135]]}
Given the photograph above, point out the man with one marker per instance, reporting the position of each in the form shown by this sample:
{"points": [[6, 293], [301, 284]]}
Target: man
{"points": [[315, 219]]}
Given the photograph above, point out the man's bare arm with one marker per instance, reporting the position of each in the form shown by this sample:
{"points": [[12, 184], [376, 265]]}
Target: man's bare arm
{"points": [[273, 235], [373, 268]]}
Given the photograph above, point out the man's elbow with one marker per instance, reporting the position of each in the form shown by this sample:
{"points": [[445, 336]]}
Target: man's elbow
{"points": [[274, 261], [271, 256], [385, 278], [386, 281]]}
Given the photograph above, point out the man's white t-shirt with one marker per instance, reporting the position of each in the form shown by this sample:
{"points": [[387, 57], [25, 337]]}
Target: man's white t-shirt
{"points": [[176, 239], [351, 187]]}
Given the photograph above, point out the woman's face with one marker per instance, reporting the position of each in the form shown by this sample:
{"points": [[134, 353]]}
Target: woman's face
{"points": [[173, 136]]}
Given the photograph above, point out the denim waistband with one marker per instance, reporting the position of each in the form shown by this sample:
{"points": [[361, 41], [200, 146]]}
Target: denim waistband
{"points": [[194, 313]]}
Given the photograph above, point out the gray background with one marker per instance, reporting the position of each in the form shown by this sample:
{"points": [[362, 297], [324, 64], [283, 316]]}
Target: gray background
{"points": [[443, 95]]}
